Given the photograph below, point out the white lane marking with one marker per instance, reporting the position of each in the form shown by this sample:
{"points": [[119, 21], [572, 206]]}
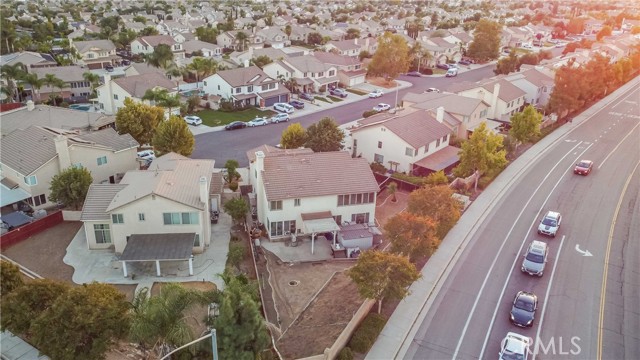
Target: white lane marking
{"points": [[616, 148], [495, 259], [623, 99], [515, 261], [583, 253], [546, 299]]}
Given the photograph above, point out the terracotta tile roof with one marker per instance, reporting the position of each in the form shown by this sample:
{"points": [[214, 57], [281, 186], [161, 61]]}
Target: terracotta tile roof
{"points": [[98, 199], [269, 150], [508, 91], [137, 85], [316, 174], [306, 63], [417, 128]]}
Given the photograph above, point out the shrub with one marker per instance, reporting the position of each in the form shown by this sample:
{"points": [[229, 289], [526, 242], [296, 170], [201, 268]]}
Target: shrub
{"points": [[484, 182], [367, 333], [233, 186], [426, 71], [345, 354], [236, 254], [416, 180], [377, 167], [368, 113]]}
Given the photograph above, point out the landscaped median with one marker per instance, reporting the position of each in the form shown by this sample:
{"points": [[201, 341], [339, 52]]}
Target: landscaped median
{"points": [[219, 118]]}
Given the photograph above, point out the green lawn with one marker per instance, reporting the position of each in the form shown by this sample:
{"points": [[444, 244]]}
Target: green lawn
{"points": [[358, 92], [218, 118], [437, 71], [320, 98], [334, 99]]}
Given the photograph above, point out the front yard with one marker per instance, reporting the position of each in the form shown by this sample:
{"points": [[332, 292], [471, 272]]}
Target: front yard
{"points": [[219, 118]]}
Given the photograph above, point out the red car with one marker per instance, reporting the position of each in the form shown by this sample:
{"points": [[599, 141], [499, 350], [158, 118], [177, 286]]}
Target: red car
{"points": [[583, 167]]}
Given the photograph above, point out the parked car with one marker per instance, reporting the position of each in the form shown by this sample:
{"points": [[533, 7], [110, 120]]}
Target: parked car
{"points": [[434, 90], [523, 310], [126, 62], [414, 73], [146, 154], [381, 107], [279, 118], [443, 66], [464, 62], [515, 347], [283, 107], [193, 120], [376, 93], [535, 259], [583, 167], [297, 104], [305, 96], [550, 224], [109, 68], [338, 92], [258, 122], [452, 72], [236, 125]]}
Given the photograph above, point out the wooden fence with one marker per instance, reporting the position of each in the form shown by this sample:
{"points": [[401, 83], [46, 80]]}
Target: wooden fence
{"points": [[16, 235]]}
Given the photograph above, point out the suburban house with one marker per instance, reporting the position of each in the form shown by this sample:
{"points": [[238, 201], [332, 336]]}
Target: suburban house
{"points": [[518, 36], [29, 60], [76, 87], [329, 190], [55, 117], [147, 44], [461, 114], [274, 37], [310, 74], [416, 142], [351, 72], [504, 98], [159, 214], [229, 39], [207, 49], [247, 86], [96, 54], [353, 47], [112, 94], [442, 51], [535, 82], [31, 157], [243, 58]]}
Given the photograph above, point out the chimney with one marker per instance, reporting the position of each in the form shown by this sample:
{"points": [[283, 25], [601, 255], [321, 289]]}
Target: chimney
{"points": [[30, 105], [204, 190], [62, 149], [494, 99], [440, 114]]}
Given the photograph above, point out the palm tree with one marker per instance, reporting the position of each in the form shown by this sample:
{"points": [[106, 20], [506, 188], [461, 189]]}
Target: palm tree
{"points": [[392, 188], [53, 81], [161, 57], [92, 79], [12, 73], [34, 82], [242, 38], [203, 67], [161, 97]]}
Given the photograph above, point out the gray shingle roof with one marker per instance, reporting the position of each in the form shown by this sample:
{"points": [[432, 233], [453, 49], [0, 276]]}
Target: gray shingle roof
{"points": [[177, 246], [98, 199]]}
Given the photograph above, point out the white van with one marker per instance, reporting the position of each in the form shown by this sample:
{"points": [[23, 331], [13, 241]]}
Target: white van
{"points": [[452, 72]]}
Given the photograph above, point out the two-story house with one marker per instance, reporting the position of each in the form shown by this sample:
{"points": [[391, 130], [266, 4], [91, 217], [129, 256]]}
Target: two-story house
{"points": [[416, 142], [147, 44], [351, 72], [274, 37], [76, 87], [159, 214], [31, 157], [208, 50], [504, 98], [535, 82], [352, 47], [232, 40], [442, 51], [112, 94], [246, 86], [96, 54], [311, 74], [329, 189]]}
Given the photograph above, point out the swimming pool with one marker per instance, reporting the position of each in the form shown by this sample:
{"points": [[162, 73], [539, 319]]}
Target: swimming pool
{"points": [[81, 107], [189, 93]]}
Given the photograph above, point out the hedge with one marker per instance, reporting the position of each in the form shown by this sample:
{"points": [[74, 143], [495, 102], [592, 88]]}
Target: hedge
{"points": [[367, 333]]}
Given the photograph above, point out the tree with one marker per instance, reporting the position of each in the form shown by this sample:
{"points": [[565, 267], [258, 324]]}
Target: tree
{"points": [[161, 57], [412, 235], [242, 39], [314, 38], [293, 137], [391, 58], [52, 81], [324, 136], [635, 30], [82, 323], [241, 330], [508, 64], [486, 41], [237, 208], [207, 34], [10, 278], [35, 83], [380, 275], [566, 93], [192, 103], [70, 186], [352, 33], [287, 30], [173, 135], [437, 178], [437, 203], [148, 31], [203, 67], [125, 37], [392, 188], [12, 73], [232, 174], [139, 120], [483, 152], [160, 321], [525, 125], [261, 61], [92, 79]]}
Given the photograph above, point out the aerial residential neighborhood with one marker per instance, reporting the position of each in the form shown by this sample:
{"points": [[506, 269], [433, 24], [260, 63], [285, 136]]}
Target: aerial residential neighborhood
{"points": [[319, 179]]}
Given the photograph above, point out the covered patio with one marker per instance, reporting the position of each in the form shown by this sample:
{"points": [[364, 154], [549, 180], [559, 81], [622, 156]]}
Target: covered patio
{"points": [[319, 222], [444, 159], [157, 248]]}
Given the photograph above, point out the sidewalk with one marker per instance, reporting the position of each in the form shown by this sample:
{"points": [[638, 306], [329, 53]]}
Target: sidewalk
{"points": [[395, 339]]}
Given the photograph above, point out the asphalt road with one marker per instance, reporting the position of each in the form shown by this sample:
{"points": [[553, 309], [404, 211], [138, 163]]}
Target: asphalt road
{"points": [[470, 315], [225, 145]]}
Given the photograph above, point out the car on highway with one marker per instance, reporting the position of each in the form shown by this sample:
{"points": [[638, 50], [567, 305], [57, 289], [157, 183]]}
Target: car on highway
{"points": [[283, 107], [381, 107], [523, 310], [414, 73], [443, 66], [432, 90], [306, 96], [193, 120], [583, 167], [297, 104], [536, 258], [550, 224], [338, 92], [258, 122], [515, 347], [277, 118], [236, 125], [375, 94]]}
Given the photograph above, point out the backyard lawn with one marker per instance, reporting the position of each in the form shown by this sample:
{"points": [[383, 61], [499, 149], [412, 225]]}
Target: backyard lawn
{"points": [[218, 118]]}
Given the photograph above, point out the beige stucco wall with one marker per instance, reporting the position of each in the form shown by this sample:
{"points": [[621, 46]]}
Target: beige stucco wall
{"points": [[91, 235], [117, 162]]}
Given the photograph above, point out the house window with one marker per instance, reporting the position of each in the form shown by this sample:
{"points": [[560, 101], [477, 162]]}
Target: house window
{"points": [[103, 233], [31, 180], [115, 96], [117, 218], [275, 205], [186, 218], [141, 216], [102, 160], [332, 72], [37, 200], [379, 144], [296, 202], [280, 228], [415, 152], [426, 148], [437, 142], [483, 113], [250, 88], [408, 151], [360, 218], [378, 158]]}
